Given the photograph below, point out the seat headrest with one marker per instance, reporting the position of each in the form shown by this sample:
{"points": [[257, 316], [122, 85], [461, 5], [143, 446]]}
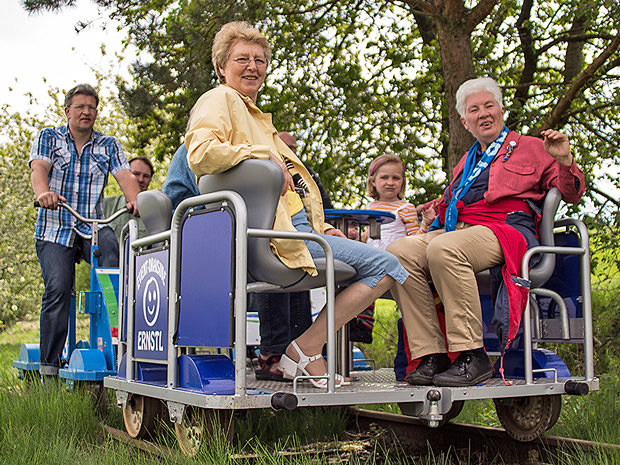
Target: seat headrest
{"points": [[155, 210]]}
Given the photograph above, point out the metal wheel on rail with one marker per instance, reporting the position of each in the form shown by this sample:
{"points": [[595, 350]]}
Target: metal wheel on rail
{"points": [[140, 414], [556, 408], [199, 425], [95, 389], [526, 418]]}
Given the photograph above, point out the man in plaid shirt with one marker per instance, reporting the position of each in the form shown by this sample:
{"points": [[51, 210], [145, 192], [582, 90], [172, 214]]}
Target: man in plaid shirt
{"points": [[71, 164]]}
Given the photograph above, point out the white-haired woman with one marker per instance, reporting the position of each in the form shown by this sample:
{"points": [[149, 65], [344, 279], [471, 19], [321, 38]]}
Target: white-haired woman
{"points": [[487, 217], [227, 127]]}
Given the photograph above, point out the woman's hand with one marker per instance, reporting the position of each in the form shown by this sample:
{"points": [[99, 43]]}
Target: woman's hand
{"points": [[288, 180], [556, 145], [429, 215], [353, 233], [334, 232]]}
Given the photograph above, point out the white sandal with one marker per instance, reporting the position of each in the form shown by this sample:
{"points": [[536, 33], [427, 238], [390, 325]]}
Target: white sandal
{"points": [[290, 368]]}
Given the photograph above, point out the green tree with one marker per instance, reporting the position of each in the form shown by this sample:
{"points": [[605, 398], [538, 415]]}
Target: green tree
{"points": [[20, 275], [355, 79]]}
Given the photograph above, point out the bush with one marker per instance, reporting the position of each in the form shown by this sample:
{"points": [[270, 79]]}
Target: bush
{"points": [[20, 275]]}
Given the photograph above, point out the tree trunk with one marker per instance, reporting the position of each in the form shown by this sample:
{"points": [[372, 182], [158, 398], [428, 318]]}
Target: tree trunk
{"points": [[457, 67]]}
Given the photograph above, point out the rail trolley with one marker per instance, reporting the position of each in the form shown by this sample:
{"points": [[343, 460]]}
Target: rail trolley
{"points": [[85, 362], [182, 348]]}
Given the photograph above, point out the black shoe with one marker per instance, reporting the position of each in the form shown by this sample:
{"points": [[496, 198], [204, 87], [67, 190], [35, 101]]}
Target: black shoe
{"points": [[471, 367], [267, 369], [359, 332], [428, 367]]}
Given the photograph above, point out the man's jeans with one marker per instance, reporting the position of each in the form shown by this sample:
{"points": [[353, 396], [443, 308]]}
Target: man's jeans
{"points": [[283, 317], [58, 269]]}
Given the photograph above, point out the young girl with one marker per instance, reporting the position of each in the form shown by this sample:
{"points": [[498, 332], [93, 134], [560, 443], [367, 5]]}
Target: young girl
{"points": [[386, 184]]}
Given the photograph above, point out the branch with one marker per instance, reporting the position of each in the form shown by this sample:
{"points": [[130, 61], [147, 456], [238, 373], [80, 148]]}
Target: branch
{"points": [[421, 5], [579, 82], [479, 12], [574, 38], [309, 10], [605, 195], [35, 6]]}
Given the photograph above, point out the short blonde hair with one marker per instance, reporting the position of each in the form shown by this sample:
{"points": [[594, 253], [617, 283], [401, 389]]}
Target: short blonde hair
{"points": [[226, 38], [372, 174]]}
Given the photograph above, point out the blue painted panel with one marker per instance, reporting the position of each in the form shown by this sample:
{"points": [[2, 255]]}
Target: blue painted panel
{"points": [[541, 359], [206, 280], [210, 374], [123, 334], [151, 305], [150, 373], [564, 281]]}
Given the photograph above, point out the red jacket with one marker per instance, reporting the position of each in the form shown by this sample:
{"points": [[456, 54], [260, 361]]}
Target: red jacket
{"points": [[528, 173], [521, 170]]}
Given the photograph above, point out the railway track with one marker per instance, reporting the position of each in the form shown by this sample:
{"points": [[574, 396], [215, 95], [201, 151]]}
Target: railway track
{"points": [[473, 444], [487, 444]]}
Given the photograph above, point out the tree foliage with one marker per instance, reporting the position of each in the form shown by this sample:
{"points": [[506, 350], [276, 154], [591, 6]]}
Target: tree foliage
{"points": [[20, 275], [355, 79]]}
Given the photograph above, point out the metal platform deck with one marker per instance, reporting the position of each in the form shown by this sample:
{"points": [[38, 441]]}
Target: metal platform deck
{"points": [[367, 387]]}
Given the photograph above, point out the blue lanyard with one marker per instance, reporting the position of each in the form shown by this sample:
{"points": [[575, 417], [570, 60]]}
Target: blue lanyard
{"points": [[471, 171]]}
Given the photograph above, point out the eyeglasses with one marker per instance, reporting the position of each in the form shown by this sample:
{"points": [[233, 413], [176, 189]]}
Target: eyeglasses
{"points": [[244, 61], [83, 107]]}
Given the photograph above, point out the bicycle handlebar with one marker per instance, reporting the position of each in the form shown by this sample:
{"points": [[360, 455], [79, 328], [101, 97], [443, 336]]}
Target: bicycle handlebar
{"points": [[89, 220]]}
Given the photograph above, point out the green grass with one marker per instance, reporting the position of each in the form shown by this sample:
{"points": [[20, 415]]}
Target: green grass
{"points": [[45, 425]]}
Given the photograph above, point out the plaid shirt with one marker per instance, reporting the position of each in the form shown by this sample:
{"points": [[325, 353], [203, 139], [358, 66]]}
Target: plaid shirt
{"points": [[79, 178]]}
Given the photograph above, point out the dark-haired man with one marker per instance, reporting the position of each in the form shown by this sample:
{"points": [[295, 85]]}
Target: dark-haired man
{"points": [[71, 164], [142, 169]]}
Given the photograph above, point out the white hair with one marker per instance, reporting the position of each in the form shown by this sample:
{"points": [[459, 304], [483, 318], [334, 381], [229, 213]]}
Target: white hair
{"points": [[474, 86]]}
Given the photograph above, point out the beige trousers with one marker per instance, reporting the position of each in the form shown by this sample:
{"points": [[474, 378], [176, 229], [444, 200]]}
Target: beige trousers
{"points": [[450, 260]]}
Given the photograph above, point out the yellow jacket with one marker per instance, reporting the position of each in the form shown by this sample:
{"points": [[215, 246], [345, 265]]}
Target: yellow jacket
{"points": [[225, 128]]}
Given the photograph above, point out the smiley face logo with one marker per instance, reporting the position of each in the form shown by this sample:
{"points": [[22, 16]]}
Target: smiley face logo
{"points": [[151, 301]]}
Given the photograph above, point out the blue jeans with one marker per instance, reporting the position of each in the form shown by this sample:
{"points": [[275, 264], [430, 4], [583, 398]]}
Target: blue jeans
{"points": [[58, 269], [283, 317], [371, 263]]}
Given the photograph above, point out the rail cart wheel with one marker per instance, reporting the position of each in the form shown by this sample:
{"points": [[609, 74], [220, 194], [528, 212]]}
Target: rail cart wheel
{"points": [[97, 393], [139, 415], [457, 407], [199, 425], [556, 408], [526, 418], [191, 432]]}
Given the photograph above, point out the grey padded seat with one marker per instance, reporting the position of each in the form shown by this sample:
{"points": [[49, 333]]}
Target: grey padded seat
{"points": [[155, 210], [542, 271], [259, 182]]}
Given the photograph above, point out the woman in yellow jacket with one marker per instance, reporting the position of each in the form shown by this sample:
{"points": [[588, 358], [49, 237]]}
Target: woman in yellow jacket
{"points": [[227, 127]]}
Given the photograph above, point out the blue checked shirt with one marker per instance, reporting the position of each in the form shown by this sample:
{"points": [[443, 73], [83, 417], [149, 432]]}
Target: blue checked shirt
{"points": [[79, 178]]}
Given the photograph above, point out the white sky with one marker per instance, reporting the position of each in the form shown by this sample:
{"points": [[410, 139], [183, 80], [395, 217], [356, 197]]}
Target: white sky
{"points": [[45, 46]]}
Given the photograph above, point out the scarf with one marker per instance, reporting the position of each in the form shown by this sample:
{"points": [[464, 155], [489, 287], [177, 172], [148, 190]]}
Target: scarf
{"points": [[471, 171]]}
